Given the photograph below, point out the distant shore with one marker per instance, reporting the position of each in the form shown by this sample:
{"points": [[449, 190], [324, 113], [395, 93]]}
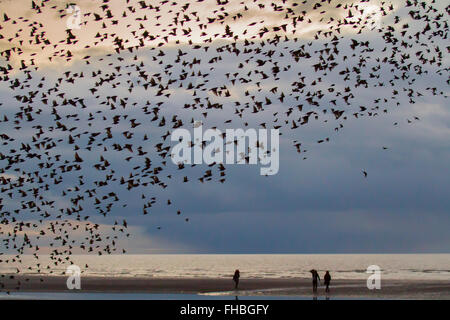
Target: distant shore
{"points": [[391, 289]]}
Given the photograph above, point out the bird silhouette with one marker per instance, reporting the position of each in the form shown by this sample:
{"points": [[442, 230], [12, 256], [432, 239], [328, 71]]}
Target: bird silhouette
{"points": [[78, 143]]}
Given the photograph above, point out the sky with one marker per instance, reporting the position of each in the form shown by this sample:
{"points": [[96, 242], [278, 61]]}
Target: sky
{"points": [[319, 201]]}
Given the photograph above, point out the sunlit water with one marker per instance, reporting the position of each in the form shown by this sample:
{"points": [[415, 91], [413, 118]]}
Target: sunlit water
{"points": [[148, 296], [342, 266]]}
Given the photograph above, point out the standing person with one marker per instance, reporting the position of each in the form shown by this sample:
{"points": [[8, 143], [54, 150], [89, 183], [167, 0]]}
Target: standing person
{"points": [[236, 278], [315, 278], [327, 279]]}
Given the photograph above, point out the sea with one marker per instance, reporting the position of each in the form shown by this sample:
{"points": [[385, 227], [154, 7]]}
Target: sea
{"points": [[256, 266]]}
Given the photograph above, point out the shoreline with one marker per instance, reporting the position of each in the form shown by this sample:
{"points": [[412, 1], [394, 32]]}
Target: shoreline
{"points": [[301, 287]]}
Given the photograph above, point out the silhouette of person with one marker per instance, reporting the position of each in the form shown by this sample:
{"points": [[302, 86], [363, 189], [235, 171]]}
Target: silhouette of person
{"points": [[327, 279], [315, 278], [236, 278]]}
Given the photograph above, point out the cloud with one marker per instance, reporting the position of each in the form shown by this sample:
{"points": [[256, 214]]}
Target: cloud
{"points": [[320, 204], [245, 19], [134, 239], [304, 231]]}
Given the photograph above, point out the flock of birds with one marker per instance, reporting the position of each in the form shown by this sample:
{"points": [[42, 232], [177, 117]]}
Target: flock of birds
{"points": [[73, 147]]}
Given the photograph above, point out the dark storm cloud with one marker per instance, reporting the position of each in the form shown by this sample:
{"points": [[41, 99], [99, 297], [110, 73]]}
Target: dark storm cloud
{"points": [[321, 204]]}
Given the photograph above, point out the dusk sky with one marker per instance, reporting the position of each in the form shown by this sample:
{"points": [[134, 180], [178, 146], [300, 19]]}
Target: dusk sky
{"points": [[319, 202]]}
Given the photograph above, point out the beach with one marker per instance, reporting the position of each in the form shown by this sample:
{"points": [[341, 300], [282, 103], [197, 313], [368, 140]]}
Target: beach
{"points": [[196, 276], [221, 287]]}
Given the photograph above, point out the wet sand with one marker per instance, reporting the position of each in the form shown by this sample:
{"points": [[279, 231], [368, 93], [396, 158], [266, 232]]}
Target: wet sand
{"points": [[390, 289]]}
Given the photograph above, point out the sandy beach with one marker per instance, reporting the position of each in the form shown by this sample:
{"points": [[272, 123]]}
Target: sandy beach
{"points": [[391, 289]]}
